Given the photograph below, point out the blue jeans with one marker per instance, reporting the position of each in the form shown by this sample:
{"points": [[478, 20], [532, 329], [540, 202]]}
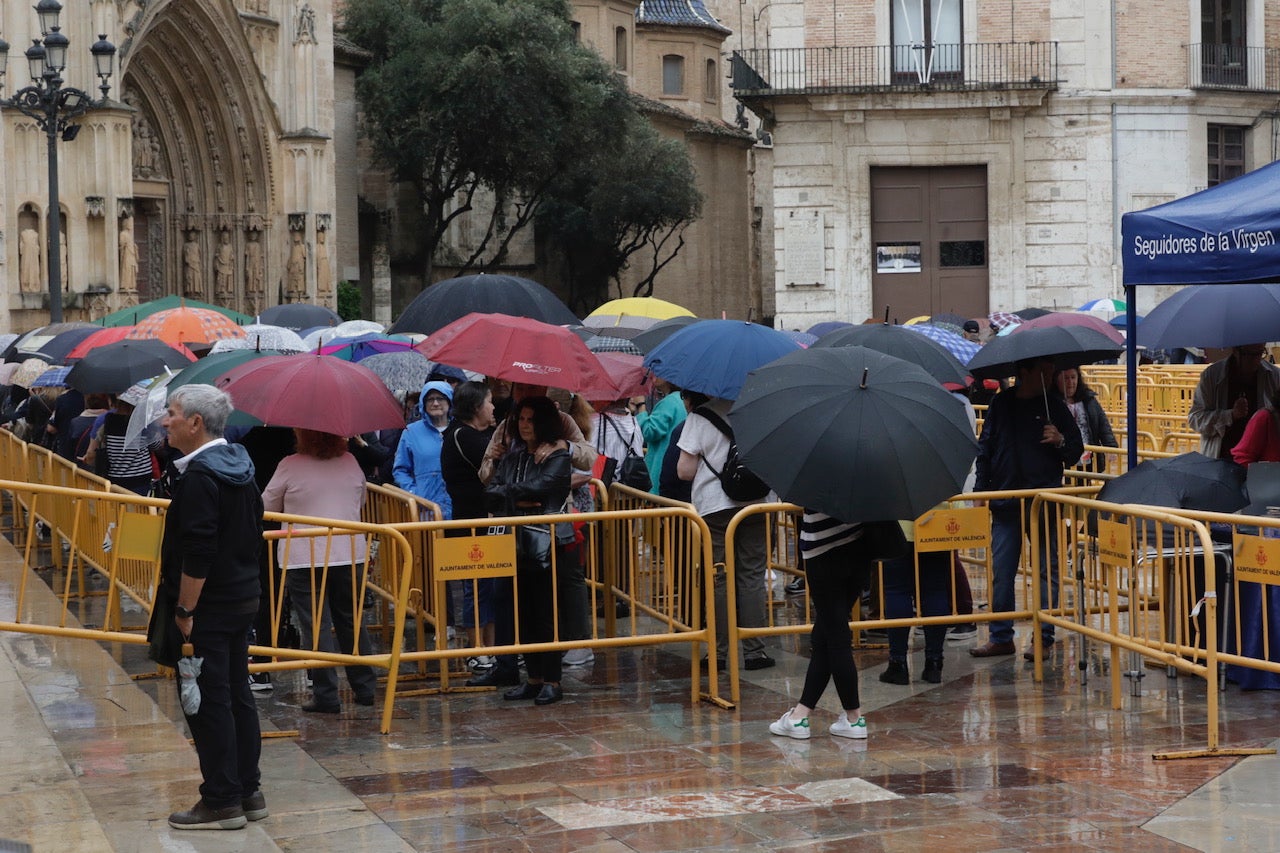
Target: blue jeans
{"points": [[1007, 530], [899, 584]]}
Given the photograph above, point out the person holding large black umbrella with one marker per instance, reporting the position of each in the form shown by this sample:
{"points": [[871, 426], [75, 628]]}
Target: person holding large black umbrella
{"points": [[1028, 437], [854, 436]]}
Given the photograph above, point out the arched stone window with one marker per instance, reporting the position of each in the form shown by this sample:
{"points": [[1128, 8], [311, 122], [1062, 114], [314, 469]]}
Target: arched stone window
{"points": [[620, 48], [711, 82]]}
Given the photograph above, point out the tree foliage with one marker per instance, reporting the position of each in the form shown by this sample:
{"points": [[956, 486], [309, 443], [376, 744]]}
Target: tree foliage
{"points": [[465, 94], [637, 200]]}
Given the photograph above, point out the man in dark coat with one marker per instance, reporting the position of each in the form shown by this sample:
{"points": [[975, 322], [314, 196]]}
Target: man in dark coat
{"points": [[1028, 437], [209, 570]]}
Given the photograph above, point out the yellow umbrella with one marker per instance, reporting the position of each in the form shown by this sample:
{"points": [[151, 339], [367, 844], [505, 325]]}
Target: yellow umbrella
{"points": [[626, 318], [923, 318], [648, 307]]}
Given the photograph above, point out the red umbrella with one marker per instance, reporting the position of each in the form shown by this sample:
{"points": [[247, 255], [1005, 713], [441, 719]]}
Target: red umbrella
{"points": [[1063, 318], [630, 379], [99, 338], [521, 350], [315, 392]]}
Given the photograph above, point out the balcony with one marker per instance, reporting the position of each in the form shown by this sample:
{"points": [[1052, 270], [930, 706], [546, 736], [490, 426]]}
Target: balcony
{"points": [[895, 68], [1227, 66]]}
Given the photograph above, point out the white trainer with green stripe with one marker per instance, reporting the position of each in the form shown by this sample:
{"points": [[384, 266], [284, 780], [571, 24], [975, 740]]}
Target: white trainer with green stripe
{"points": [[843, 728], [786, 726]]}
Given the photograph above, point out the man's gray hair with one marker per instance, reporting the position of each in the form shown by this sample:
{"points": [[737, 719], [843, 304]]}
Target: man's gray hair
{"points": [[213, 405]]}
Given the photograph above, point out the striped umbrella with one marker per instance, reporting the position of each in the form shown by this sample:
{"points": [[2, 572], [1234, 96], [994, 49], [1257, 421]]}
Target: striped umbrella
{"points": [[1000, 319]]}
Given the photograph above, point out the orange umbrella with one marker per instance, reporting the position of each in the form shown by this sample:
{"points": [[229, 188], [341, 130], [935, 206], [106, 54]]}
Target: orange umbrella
{"points": [[187, 326]]}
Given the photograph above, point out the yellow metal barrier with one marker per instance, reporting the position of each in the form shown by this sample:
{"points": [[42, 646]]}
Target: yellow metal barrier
{"points": [[972, 558], [1144, 580], [661, 611]]}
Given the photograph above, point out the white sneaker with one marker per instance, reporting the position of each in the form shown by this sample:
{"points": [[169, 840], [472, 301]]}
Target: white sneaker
{"points": [[579, 657], [843, 728], [784, 726]]}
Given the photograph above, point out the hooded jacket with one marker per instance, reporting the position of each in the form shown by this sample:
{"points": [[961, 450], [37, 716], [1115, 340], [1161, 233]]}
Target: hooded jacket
{"points": [[213, 530], [417, 467]]}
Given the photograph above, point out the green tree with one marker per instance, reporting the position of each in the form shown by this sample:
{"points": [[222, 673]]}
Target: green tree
{"points": [[349, 301], [467, 94], [637, 199]]}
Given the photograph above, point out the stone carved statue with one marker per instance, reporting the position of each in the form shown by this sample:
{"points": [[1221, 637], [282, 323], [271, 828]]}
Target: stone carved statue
{"points": [[224, 269], [128, 258], [192, 278], [324, 276], [295, 270], [254, 275], [306, 25], [29, 261]]}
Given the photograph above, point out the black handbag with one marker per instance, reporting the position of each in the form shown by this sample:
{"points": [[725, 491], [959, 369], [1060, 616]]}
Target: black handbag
{"points": [[632, 470], [883, 540], [164, 646], [533, 546]]}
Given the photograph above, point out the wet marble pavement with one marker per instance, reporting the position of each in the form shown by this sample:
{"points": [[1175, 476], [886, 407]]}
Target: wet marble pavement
{"points": [[987, 761]]}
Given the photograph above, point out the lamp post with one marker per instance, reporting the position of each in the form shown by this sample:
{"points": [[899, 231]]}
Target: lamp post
{"points": [[54, 107]]}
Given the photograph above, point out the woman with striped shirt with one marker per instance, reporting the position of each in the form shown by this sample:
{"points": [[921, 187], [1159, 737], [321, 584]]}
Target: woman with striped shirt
{"points": [[837, 573]]}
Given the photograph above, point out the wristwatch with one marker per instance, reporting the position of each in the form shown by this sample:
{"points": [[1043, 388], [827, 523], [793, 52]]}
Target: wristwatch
{"points": [[182, 612]]}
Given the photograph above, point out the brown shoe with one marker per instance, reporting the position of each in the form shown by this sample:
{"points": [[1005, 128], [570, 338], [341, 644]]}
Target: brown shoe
{"points": [[993, 650], [201, 816]]}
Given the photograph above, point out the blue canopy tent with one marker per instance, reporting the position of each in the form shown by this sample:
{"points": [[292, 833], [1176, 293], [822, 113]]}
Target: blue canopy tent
{"points": [[1226, 234]]}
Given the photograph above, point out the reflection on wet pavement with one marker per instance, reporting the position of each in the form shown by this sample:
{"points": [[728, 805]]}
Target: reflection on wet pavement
{"points": [[988, 760]]}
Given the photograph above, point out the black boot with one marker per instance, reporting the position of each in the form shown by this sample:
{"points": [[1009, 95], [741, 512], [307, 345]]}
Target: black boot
{"points": [[896, 673], [932, 670]]}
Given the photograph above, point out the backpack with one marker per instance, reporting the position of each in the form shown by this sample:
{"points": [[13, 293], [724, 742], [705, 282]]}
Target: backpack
{"points": [[737, 481], [631, 471]]}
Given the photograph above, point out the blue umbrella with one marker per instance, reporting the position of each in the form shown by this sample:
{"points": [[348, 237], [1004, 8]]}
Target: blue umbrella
{"points": [[54, 377], [962, 348], [804, 339], [1213, 315], [821, 329], [1120, 322], [714, 357]]}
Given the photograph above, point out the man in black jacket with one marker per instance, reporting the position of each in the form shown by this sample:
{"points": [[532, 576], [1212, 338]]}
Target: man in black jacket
{"points": [[1028, 437], [209, 568]]}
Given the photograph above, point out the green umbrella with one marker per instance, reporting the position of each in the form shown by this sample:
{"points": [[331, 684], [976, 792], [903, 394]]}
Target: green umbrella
{"points": [[130, 316]]}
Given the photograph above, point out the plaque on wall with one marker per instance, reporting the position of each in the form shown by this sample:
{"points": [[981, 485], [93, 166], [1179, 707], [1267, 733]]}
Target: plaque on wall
{"points": [[804, 250], [897, 257]]}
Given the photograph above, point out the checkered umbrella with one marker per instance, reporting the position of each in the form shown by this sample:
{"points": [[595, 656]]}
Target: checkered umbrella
{"points": [[54, 377], [962, 348], [608, 343], [1000, 319], [261, 336], [186, 326]]}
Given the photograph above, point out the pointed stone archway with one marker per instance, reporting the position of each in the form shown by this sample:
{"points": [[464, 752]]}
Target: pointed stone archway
{"points": [[204, 153]]}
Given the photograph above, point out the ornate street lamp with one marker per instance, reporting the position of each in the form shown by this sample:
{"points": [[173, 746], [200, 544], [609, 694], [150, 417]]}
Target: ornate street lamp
{"points": [[54, 107]]}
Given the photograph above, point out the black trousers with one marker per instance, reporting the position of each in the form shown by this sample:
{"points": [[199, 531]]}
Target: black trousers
{"points": [[836, 580], [226, 733], [536, 602]]}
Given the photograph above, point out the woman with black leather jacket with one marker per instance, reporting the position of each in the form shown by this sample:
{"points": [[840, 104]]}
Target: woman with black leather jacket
{"points": [[1094, 427], [533, 478]]}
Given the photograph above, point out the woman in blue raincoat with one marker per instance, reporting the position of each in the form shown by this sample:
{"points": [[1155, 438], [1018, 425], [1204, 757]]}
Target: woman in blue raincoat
{"points": [[417, 467]]}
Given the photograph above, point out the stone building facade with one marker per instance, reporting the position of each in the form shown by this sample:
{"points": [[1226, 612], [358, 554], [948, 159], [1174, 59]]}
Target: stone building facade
{"points": [[210, 174], [969, 156]]}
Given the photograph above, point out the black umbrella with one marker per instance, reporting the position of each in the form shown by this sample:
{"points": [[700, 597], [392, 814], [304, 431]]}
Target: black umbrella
{"points": [[454, 298], [1189, 481], [1213, 315], [57, 348], [902, 343], [854, 433], [298, 316], [1069, 346], [29, 344], [1032, 313], [659, 332], [112, 368]]}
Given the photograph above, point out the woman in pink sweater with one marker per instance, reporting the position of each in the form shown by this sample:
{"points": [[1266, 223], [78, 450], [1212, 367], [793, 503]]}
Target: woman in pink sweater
{"points": [[322, 479]]}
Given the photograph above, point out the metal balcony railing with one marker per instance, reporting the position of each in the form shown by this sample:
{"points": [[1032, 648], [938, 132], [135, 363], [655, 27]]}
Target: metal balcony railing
{"points": [[896, 68], [1227, 66]]}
